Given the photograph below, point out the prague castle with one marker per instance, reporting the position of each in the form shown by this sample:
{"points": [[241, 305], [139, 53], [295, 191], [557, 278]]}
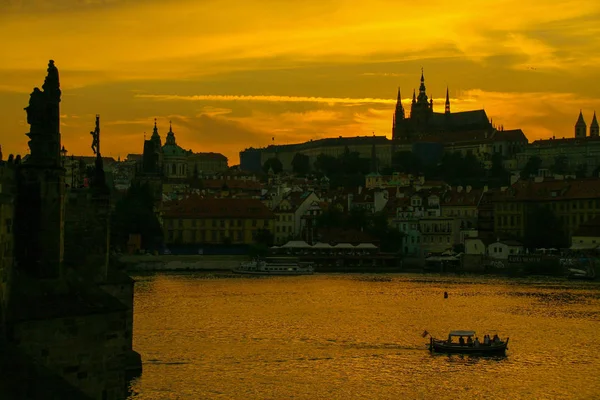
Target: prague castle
{"points": [[423, 122], [423, 131]]}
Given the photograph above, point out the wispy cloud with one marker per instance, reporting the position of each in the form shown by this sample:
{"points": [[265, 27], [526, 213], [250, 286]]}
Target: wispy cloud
{"points": [[274, 99]]}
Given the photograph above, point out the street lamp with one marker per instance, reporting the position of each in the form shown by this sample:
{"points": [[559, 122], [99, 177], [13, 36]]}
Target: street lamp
{"points": [[63, 153]]}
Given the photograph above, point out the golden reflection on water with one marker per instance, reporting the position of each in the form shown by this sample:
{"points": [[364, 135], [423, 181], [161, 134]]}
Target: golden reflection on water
{"points": [[359, 337]]}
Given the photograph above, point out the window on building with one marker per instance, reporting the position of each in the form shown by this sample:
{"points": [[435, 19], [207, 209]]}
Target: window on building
{"points": [[222, 223], [254, 223], [193, 222]]}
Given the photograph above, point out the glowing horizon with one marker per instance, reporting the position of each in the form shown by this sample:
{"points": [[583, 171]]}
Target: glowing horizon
{"points": [[231, 76]]}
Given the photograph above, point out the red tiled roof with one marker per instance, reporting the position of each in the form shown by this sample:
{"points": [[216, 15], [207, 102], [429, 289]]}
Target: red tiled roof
{"points": [[565, 141], [197, 207], [211, 155], [555, 190], [511, 135], [454, 198], [232, 184]]}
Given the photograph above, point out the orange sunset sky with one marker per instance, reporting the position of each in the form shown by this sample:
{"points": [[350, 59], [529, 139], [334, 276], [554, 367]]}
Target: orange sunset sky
{"points": [[232, 74]]}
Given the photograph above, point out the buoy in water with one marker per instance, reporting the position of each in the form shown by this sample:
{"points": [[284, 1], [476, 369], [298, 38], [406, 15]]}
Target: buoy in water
{"points": [[445, 295]]}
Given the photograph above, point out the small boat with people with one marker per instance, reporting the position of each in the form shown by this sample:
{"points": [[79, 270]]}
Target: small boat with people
{"points": [[275, 266], [465, 342]]}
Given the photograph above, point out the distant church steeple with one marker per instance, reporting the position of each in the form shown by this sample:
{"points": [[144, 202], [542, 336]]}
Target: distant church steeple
{"points": [[594, 128], [447, 107], [580, 126], [170, 135]]}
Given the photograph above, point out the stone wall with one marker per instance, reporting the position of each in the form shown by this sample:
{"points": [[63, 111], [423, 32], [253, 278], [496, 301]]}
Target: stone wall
{"points": [[181, 263], [86, 234], [87, 351]]}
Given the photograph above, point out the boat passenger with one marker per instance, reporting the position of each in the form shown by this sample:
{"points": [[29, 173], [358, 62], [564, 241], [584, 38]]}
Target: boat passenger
{"points": [[476, 343], [449, 338], [461, 341], [486, 340], [470, 341], [496, 339]]}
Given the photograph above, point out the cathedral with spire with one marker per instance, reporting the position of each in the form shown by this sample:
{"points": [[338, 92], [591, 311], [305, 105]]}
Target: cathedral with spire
{"points": [[423, 122]]}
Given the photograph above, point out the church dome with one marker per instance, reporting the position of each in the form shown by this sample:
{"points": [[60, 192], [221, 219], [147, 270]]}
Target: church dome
{"points": [[171, 148]]}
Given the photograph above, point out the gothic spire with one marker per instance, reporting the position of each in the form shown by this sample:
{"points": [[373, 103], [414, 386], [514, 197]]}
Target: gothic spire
{"points": [[422, 97], [422, 87], [594, 128], [580, 120], [414, 100], [580, 126], [399, 113], [447, 108]]}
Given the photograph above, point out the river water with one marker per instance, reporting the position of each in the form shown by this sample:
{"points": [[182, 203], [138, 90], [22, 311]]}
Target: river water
{"points": [[204, 336]]}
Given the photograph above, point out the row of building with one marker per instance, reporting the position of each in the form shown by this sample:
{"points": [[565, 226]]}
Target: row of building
{"points": [[432, 216]]}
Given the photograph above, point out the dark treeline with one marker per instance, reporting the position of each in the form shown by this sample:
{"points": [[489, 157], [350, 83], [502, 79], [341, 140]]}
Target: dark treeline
{"points": [[134, 214], [349, 169], [376, 225]]}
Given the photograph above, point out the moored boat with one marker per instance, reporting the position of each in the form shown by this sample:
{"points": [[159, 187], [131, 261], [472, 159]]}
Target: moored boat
{"points": [[275, 266], [467, 345]]}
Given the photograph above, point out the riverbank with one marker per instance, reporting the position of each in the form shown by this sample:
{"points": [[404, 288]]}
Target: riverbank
{"points": [[151, 263]]}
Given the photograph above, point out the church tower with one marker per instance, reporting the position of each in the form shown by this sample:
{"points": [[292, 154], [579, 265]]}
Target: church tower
{"points": [[580, 126], [399, 116], [155, 138], [421, 108], [447, 106], [594, 129], [39, 213]]}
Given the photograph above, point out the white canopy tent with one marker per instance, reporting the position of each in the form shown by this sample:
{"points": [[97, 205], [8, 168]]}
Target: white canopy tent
{"points": [[344, 246], [366, 246], [296, 244]]}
